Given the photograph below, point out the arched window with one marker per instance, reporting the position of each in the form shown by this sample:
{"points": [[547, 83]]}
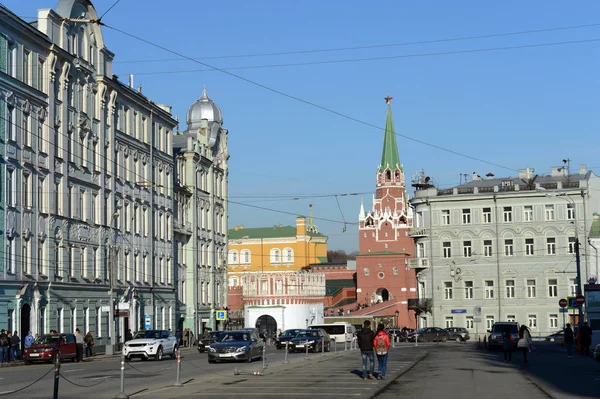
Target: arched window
{"points": [[245, 256], [233, 257], [233, 281], [275, 255], [288, 255], [388, 175]]}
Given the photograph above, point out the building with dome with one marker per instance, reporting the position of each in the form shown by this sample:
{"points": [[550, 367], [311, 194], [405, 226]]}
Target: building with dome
{"points": [[200, 216]]}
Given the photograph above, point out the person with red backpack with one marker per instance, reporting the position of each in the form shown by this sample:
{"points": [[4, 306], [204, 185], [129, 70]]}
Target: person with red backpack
{"points": [[381, 345]]}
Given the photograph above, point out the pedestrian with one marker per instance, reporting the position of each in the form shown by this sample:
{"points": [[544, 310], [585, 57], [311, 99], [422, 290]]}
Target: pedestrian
{"points": [[381, 343], [128, 335], [365, 338], [525, 342], [569, 339], [507, 344], [585, 333], [79, 341], [89, 344], [29, 339], [4, 347], [15, 346], [186, 336]]}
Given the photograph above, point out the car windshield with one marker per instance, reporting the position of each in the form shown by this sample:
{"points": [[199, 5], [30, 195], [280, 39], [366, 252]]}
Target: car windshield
{"points": [[290, 332], [235, 336], [147, 334], [420, 331], [501, 328], [47, 339], [305, 334]]}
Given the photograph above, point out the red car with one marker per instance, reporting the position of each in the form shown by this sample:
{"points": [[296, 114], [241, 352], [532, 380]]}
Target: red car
{"points": [[50, 346]]}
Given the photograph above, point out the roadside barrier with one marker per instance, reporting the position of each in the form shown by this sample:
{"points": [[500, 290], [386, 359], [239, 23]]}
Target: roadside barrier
{"points": [[237, 371], [178, 381], [28, 385], [122, 394], [322, 345], [285, 359], [264, 358]]}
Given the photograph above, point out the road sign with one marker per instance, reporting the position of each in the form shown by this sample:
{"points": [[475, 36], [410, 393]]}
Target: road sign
{"points": [[562, 303], [563, 310], [148, 322], [458, 311], [221, 315], [579, 300], [571, 303]]}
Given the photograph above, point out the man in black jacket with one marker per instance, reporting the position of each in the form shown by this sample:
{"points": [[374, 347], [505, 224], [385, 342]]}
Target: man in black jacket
{"points": [[365, 339], [4, 347]]}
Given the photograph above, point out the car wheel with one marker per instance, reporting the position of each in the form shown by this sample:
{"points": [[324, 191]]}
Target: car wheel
{"points": [[175, 352], [458, 339], [159, 354], [444, 339]]}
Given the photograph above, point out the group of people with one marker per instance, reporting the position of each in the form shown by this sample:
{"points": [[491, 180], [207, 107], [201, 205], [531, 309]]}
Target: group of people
{"points": [[373, 344], [582, 337], [10, 345]]}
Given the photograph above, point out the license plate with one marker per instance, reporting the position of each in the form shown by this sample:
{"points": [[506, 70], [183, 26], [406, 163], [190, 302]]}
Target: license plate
{"points": [[300, 346], [34, 355], [225, 354]]}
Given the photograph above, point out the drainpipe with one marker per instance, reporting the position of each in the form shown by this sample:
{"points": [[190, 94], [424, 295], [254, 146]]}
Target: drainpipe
{"points": [[595, 249], [497, 259]]}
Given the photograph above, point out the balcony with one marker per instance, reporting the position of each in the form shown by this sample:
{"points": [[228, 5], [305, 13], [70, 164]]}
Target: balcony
{"points": [[181, 228], [418, 263], [418, 232], [420, 305]]}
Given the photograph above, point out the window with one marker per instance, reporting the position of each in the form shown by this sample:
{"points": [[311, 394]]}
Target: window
{"points": [[532, 321], [553, 321], [446, 217], [448, 290], [10, 59], [507, 214], [26, 65], [11, 122], [551, 246], [510, 288], [572, 242], [553, 288], [570, 211], [489, 322], [82, 204], [275, 255], [233, 281], [487, 215], [395, 271], [245, 257], [26, 191], [466, 216], [529, 246], [289, 255], [573, 286], [511, 318], [26, 134], [531, 288], [366, 271], [508, 247], [40, 74], [449, 321], [421, 250], [447, 249], [549, 212], [233, 257], [528, 213], [487, 248], [467, 252], [489, 289], [468, 290], [470, 322], [10, 188]]}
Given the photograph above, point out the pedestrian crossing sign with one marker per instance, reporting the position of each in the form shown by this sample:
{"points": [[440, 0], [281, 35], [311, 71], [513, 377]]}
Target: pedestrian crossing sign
{"points": [[221, 315]]}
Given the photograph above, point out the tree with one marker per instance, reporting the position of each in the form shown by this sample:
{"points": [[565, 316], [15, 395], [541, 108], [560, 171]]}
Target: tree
{"points": [[335, 256]]}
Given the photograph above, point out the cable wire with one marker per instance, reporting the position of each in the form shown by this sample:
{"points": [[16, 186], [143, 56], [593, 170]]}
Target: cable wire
{"points": [[80, 385], [110, 8], [27, 386]]}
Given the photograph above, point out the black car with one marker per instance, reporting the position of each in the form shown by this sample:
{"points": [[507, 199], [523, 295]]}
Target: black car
{"points": [[208, 339], [313, 339], [428, 334], [458, 334], [496, 337], [244, 345], [286, 336]]}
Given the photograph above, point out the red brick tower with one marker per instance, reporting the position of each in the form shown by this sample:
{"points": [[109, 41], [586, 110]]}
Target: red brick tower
{"points": [[384, 244]]}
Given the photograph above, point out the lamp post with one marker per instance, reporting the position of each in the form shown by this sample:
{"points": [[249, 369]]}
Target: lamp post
{"points": [[397, 313]]}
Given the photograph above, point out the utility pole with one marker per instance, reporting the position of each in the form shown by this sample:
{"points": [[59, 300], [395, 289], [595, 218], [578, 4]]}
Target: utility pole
{"points": [[578, 263]]}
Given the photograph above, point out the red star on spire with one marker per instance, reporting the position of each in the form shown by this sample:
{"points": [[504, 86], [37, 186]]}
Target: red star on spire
{"points": [[388, 99]]}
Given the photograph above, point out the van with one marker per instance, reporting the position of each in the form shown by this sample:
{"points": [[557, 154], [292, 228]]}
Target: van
{"points": [[339, 331]]}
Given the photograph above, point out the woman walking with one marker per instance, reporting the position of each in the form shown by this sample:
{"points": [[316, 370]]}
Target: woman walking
{"points": [[381, 344], [89, 343], [525, 341]]}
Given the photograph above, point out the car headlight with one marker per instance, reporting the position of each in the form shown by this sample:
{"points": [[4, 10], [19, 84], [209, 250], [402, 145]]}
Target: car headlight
{"points": [[48, 350], [211, 349], [310, 342], [241, 349]]}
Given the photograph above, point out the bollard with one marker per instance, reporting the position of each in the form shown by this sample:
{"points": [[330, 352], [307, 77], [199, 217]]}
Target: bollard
{"points": [[178, 382], [264, 358], [322, 345], [122, 394], [394, 341], [345, 345], [286, 361], [437, 340], [237, 371], [416, 339], [335, 345], [56, 375]]}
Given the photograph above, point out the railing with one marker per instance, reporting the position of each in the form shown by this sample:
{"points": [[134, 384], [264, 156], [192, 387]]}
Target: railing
{"points": [[486, 189], [465, 190], [418, 232], [448, 191], [549, 186], [418, 263], [570, 184]]}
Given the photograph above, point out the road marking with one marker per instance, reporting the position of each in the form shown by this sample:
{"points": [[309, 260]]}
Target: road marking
{"points": [[70, 371]]}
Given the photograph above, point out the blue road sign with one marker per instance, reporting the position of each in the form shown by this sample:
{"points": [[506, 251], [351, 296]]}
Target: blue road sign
{"points": [[221, 315], [458, 311], [148, 322], [571, 304]]}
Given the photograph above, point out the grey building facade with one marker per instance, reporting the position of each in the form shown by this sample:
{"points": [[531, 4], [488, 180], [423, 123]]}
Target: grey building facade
{"points": [[502, 249]]}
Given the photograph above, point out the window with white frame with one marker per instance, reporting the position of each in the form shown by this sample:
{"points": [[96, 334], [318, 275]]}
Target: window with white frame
{"points": [[395, 271], [510, 288], [489, 322], [233, 257], [507, 215], [275, 255], [528, 213], [445, 217], [449, 322], [467, 249], [366, 271], [508, 247], [447, 247], [553, 288], [487, 248], [466, 216], [448, 290], [551, 246], [570, 211], [233, 281], [549, 212], [10, 187], [532, 321], [421, 250], [529, 247], [469, 322], [511, 318], [571, 245], [553, 321], [487, 215], [288, 254], [245, 257], [98, 322], [489, 289], [468, 290], [531, 288], [573, 286]]}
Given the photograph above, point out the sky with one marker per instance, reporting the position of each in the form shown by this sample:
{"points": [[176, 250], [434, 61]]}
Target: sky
{"points": [[501, 109]]}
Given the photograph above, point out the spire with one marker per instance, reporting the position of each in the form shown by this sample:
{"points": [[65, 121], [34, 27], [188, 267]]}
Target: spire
{"points": [[361, 214], [311, 227], [389, 157]]}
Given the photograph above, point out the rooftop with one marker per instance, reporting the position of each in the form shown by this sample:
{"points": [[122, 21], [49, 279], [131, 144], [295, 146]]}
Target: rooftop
{"points": [[267, 232]]}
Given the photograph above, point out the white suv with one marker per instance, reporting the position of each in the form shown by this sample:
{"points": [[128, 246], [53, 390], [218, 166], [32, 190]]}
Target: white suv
{"points": [[151, 343]]}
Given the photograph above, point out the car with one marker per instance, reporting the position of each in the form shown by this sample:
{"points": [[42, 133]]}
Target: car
{"points": [[286, 337], [597, 353], [50, 347], [244, 345], [558, 337], [495, 339], [207, 339], [458, 334], [428, 334], [315, 340], [148, 344]]}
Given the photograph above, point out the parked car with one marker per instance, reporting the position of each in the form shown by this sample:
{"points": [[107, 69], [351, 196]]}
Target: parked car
{"points": [[428, 334], [49, 347], [495, 339], [313, 339], [458, 334], [558, 337], [395, 333], [597, 353], [148, 344], [207, 339], [244, 345], [286, 336]]}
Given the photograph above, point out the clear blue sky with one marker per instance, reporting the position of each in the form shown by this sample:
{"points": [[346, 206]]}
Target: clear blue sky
{"points": [[527, 107]]}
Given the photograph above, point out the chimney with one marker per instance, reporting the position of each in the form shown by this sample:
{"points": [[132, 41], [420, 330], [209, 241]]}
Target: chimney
{"points": [[140, 89], [490, 176], [301, 225], [131, 81], [476, 176], [526, 173], [582, 169]]}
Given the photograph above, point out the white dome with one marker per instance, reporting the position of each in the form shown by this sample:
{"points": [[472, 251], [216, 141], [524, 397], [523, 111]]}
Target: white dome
{"points": [[204, 108]]}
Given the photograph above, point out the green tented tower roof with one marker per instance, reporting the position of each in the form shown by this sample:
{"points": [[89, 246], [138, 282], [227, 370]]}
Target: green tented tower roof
{"points": [[389, 157]]}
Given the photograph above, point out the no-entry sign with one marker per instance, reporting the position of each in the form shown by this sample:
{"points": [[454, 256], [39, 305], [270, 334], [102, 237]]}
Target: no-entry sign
{"points": [[579, 300], [562, 303]]}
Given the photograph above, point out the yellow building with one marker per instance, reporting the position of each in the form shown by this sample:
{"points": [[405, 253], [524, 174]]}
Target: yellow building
{"points": [[274, 249]]}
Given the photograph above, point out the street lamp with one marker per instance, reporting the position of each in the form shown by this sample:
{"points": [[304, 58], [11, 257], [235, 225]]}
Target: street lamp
{"points": [[397, 316]]}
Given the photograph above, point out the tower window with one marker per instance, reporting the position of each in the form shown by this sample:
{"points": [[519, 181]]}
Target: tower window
{"points": [[388, 175]]}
